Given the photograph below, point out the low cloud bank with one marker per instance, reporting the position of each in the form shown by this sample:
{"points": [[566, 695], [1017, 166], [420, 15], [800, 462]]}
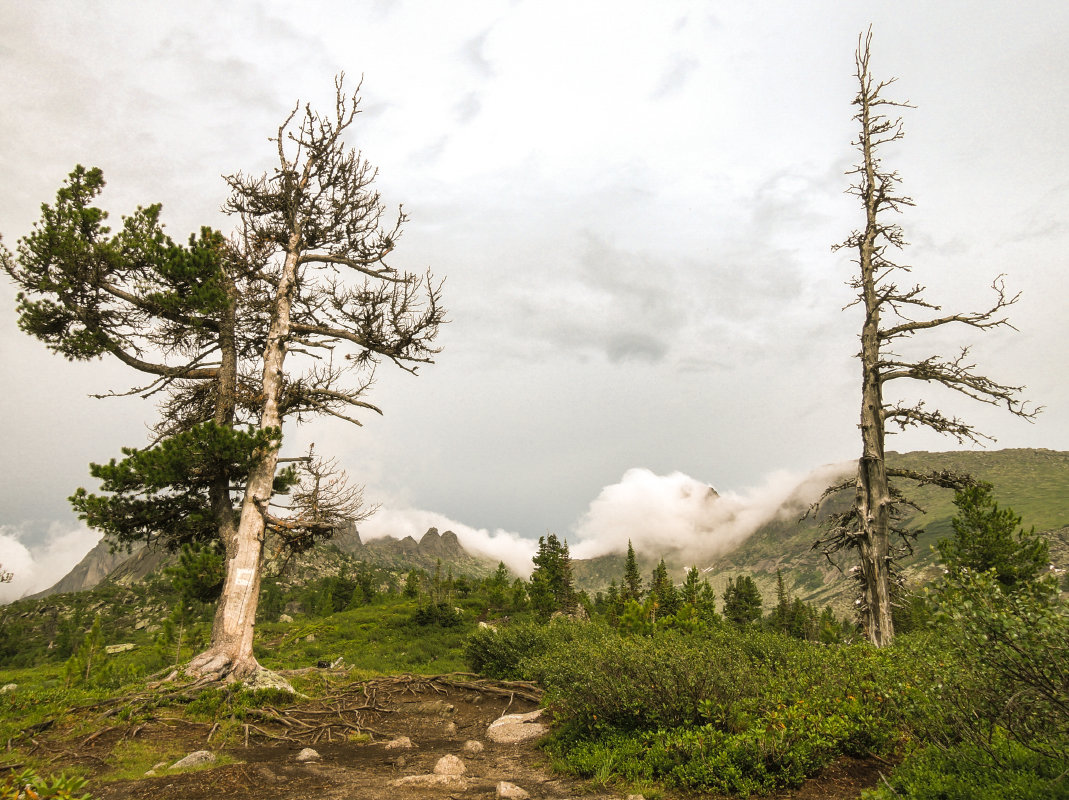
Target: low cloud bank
{"points": [[677, 515], [37, 559]]}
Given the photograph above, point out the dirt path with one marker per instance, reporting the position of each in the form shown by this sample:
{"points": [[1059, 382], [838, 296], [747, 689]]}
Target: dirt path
{"points": [[438, 720]]}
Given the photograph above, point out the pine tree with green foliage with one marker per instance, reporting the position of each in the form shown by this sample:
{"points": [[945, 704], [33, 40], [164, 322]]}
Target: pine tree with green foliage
{"points": [[551, 585], [742, 601], [987, 537], [285, 320], [497, 586], [690, 591], [414, 581], [780, 616], [663, 591], [631, 588], [198, 576]]}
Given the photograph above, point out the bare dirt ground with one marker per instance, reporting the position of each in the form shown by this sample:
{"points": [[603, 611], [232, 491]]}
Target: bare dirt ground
{"points": [[439, 716]]}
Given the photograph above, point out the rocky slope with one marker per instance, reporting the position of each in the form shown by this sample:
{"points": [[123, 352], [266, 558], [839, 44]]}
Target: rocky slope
{"points": [[394, 555]]}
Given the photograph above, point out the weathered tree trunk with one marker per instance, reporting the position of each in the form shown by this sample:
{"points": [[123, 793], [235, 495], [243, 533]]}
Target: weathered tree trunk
{"points": [[230, 654], [873, 502]]}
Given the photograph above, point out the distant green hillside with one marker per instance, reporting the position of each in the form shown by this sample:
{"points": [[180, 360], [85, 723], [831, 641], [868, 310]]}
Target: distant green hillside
{"points": [[1035, 483]]}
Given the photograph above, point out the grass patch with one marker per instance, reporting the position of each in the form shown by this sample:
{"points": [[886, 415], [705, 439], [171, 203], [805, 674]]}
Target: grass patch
{"points": [[378, 639], [130, 760]]}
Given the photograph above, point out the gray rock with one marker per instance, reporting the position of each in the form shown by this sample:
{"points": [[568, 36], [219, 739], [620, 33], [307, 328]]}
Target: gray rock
{"points": [[8, 687], [473, 747], [510, 791], [285, 618], [400, 743], [516, 728], [112, 649], [197, 758], [308, 754], [266, 679], [449, 765]]}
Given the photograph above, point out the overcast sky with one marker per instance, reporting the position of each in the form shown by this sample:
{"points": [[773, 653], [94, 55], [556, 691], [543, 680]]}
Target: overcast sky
{"points": [[632, 203]]}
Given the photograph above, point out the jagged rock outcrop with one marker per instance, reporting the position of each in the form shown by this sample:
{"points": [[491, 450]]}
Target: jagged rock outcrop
{"points": [[128, 567]]}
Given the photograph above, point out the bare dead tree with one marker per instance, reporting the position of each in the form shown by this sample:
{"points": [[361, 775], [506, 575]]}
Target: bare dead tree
{"points": [[314, 233], [893, 313], [320, 501]]}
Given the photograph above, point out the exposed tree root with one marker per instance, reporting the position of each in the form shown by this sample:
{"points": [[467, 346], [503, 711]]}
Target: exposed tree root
{"points": [[349, 710]]}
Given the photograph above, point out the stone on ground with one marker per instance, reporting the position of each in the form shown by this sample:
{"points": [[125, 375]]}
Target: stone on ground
{"points": [[197, 758], [266, 679], [400, 743], [449, 765], [308, 754], [510, 791], [517, 728], [473, 747]]}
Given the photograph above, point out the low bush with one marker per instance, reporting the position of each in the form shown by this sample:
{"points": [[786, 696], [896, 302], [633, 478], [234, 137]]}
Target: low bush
{"points": [[509, 652], [1003, 770], [28, 784], [717, 709]]}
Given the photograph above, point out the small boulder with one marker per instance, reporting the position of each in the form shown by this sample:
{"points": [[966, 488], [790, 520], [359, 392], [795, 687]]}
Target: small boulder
{"points": [[197, 758], [266, 679], [400, 743], [8, 687], [285, 618], [510, 791], [473, 747], [449, 765], [516, 728], [112, 649], [308, 754]]}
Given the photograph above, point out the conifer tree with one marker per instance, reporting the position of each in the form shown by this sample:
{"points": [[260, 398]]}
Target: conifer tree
{"points": [[631, 589], [742, 601], [987, 537], [286, 320], [663, 591], [552, 588], [690, 592]]}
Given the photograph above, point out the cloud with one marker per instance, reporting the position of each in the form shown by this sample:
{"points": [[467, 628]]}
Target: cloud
{"points": [[677, 76], [673, 516], [676, 515], [36, 565]]}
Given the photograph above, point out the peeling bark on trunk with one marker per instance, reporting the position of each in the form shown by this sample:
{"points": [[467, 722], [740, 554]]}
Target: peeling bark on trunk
{"points": [[873, 501], [230, 654]]}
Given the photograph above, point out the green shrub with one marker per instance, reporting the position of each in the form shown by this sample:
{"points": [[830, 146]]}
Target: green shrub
{"points": [[29, 784], [1007, 655], [508, 652], [444, 615], [723, 710], [968, 772]]}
